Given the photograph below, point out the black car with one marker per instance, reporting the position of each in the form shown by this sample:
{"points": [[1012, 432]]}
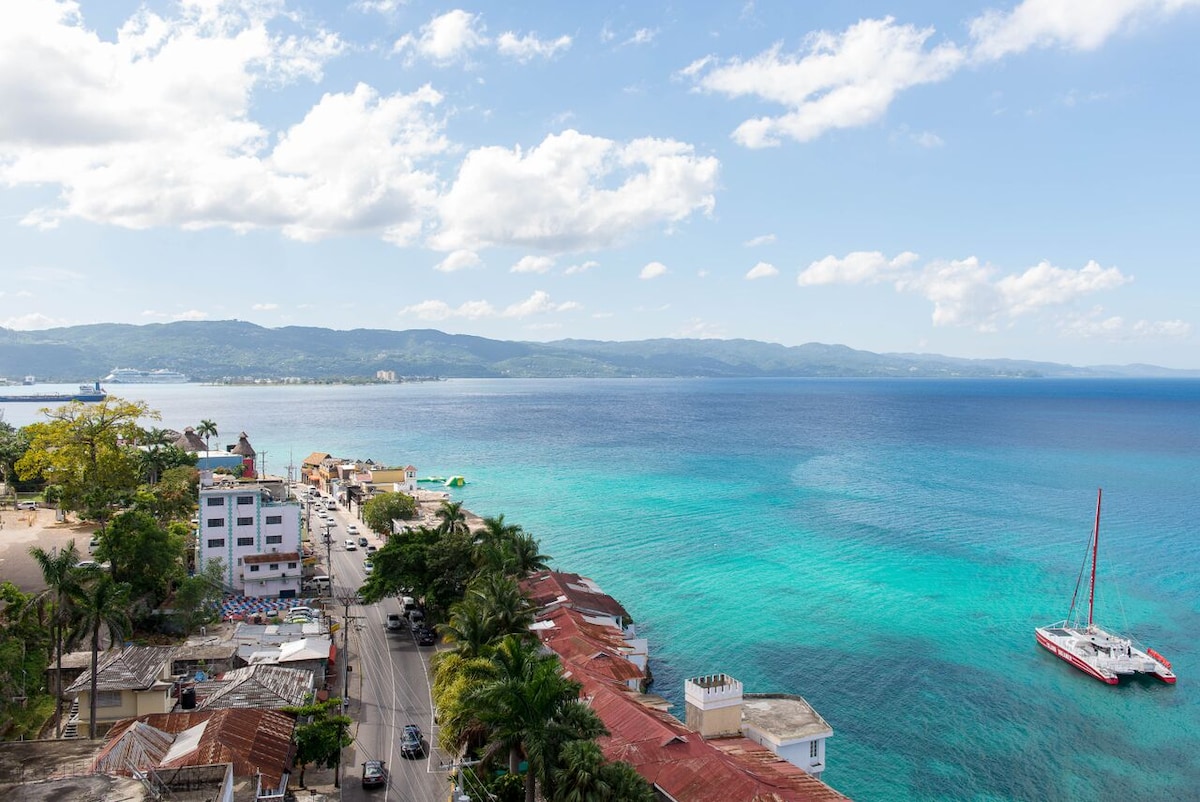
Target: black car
{"points": [[411, 742], [426, 637], [374, 774]]}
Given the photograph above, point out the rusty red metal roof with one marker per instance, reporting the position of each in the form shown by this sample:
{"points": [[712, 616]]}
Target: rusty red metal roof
{"points": [[546, 588], [254, 741]]}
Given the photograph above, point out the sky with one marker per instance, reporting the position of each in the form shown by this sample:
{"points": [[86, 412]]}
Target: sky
{"points": [[975, 179]]}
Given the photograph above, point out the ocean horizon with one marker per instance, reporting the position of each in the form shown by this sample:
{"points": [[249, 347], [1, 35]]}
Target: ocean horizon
{"points": [[883, 548]]}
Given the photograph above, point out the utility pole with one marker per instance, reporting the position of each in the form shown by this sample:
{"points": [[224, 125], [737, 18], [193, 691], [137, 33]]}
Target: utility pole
{"points": [[346, 598]]}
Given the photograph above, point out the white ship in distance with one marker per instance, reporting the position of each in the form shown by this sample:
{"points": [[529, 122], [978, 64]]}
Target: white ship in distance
{"points": [[135, 376]]}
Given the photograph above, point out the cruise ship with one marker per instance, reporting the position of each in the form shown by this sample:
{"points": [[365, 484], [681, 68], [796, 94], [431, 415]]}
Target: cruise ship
{"points": [[135, 376]]}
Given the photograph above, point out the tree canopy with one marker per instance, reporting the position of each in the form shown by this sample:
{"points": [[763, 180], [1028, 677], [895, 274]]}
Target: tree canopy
{"points": [[84, 448], [379, 512]]}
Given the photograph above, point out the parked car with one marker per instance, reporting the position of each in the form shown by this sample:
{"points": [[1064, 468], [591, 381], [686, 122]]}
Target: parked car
{"points": [[374, 774], [26, 505], [411, 742], [394, 621], [371, 549]]}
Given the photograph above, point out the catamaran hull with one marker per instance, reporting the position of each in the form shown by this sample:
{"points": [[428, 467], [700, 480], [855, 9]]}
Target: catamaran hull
{"points": [[1108, 676]]}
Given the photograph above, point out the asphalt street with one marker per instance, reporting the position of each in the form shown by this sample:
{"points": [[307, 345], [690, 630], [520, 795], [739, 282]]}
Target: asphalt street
{"points": [[389, 683]]}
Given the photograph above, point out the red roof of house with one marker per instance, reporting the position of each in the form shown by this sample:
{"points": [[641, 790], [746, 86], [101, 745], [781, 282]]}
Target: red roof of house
{"points": [[546, 588], [688, 767], [591, 647], [253, 741]]}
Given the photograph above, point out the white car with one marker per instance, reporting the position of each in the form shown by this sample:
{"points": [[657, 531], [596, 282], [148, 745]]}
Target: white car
{"points": [[351, 529], [351, 545], [368, 566]]}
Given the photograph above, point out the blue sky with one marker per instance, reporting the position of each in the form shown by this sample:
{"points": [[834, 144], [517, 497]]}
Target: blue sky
{"points": [[973, 179]]}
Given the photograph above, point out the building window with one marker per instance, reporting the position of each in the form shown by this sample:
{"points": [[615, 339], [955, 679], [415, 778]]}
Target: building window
{"points": [[291, 565], [216, 543], [218, 501], [245, 522], [274, 566], [245, 500], [814, 749], [274, 539], [215, 522], [245, 541], [274, 519], [108, 698], [253, 568]]}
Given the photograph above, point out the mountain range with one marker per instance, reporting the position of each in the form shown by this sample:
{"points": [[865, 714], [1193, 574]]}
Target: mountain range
{"points": [[231, 349]]}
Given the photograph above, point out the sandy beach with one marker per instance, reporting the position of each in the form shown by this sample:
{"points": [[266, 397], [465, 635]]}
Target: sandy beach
{"points": [[21, 530]]}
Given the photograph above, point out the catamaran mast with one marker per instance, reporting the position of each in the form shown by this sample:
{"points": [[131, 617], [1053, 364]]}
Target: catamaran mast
{"points": [[1095, 549]]}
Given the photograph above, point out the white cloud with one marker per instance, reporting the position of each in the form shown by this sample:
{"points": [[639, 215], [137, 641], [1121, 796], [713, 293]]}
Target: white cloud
{"points": [[858, 267], [841, 81], [459, 260], [385, 7], [696, 329], [264, 307], [528, 47], [1094, 324], [1046, 285], [446, 38], [537, 304], [762, 270], [582, 267], [154, 129], [653, 270], [32, 321], [764, 239], [191, 314], [928, 139], [642, 36], [572, 192], [533, 264], [967, 293], [440, 310], [153, 313], [1072, 24]]}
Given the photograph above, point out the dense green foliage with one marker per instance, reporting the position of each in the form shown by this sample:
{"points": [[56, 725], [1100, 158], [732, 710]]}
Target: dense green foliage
{"points": [[321, 733], [381, 510]]}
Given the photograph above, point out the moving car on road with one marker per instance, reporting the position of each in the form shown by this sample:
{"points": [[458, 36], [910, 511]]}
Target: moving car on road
{"points": [[374, 774], [411, 742], [394, 621]]}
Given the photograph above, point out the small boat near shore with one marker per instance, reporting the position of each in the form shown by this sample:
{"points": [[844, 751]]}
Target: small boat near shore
{"points": [[88, 393], [1098, 652]]}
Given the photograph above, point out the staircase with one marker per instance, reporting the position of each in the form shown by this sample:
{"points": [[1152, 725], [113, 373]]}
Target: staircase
{"points": [[72, 728]]}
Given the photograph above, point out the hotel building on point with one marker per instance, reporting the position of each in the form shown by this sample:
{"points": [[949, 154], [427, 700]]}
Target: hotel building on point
{"points": [[256, 537]]}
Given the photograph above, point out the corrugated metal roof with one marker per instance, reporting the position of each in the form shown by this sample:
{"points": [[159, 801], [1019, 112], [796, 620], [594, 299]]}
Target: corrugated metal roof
{"points": [[547, 587], [132, 668], [264, 686], [254, 741]]}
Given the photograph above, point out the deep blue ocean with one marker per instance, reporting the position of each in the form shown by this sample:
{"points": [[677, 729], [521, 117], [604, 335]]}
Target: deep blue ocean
{"points": [[882, 547]]}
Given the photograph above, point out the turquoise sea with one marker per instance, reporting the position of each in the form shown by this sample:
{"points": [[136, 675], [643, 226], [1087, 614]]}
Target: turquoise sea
{"points": [[883, 548]]}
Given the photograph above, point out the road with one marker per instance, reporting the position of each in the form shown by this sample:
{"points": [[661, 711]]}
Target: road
{"points": [[389, 686]]}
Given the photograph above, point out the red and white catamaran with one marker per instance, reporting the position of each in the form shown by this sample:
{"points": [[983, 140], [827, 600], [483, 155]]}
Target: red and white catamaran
{"points": [[1092, 649]]}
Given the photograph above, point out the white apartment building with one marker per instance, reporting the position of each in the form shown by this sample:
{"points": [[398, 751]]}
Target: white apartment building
{"points": [[256, 538]]}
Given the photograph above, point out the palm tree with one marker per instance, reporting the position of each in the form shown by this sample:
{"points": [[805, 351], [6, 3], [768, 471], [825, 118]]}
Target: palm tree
{"points": [[529, 707], [469, 629], [507, 548], [507, 608], [453, 519], [207, 429], [60, 577], [103, 604], [581, 777]]}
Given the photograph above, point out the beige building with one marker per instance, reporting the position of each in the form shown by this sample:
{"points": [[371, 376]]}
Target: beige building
{"points": [[131, 682]]}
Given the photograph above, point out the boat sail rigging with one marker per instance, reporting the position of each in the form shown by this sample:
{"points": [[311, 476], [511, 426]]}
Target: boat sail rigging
{"points": [[1098, 652]]}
